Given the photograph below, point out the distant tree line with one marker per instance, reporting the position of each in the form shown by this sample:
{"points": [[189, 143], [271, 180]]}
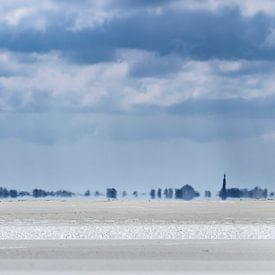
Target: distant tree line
{"points": [[255, 193], [36, 193], [187, 192], [12, 193], [40, 193]]}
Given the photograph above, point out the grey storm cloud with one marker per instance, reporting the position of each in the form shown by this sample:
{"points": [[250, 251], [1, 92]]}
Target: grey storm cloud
{"points": [[201, 35]]}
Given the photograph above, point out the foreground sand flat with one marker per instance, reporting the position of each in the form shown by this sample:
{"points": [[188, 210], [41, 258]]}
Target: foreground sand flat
{"points": [[137, 237]]}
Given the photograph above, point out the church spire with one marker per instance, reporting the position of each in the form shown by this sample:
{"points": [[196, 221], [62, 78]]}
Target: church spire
{"points": [[223, 194], [224, 182]]}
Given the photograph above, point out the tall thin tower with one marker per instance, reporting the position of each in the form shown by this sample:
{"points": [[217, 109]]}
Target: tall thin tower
{"points": [[223, 191]]}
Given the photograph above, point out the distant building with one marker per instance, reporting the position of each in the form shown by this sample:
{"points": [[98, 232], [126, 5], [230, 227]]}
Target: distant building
{"points": [[207, 194]]}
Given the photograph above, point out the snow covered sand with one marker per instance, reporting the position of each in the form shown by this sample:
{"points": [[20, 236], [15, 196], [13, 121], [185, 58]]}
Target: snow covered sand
{"points": [[144, 236], [148, 231]]}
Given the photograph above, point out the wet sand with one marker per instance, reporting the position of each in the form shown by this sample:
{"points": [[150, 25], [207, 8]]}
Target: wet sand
{"points": [[137, 257]]}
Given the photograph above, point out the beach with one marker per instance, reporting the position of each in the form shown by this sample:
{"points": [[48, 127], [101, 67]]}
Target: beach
{"points": [[142, 237]]}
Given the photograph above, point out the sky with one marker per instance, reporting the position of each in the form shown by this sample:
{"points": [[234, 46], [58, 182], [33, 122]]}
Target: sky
{"points": [[137, 94]]}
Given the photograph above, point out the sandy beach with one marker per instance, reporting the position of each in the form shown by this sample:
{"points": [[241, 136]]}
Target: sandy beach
{"points": [[82, 236]]}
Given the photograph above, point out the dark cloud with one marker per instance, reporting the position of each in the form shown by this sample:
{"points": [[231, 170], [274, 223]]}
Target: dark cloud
{"points": [[199, 35]]}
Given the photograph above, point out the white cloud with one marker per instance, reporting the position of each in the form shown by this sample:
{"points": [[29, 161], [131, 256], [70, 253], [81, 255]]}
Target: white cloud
{"points": [[252, 7], [39, 14], [48, 81], [64, 85], [229, 66], [26, 13], [247, 7], [14, 17]]}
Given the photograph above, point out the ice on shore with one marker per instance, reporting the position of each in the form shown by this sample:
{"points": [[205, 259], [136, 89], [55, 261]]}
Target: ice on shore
{"points": [[135, 231]]}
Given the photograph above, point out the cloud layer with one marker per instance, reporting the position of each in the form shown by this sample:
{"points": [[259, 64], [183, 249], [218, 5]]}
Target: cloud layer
{"points": [[181, 61]]}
